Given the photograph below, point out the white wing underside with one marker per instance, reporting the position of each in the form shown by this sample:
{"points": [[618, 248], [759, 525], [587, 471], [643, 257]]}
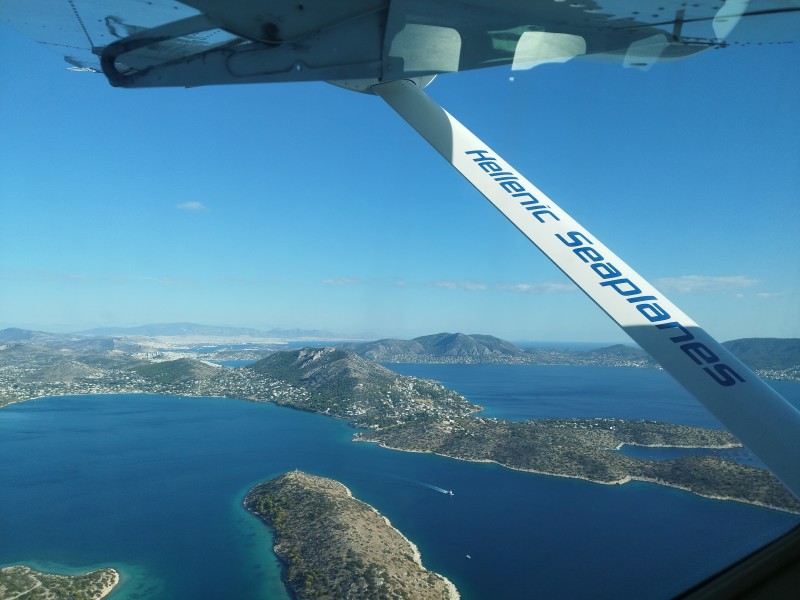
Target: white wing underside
{"points": [[199, 42]]}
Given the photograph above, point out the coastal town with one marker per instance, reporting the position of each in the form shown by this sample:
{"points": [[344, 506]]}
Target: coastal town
{"points": [[381, 398], [35, 364]]}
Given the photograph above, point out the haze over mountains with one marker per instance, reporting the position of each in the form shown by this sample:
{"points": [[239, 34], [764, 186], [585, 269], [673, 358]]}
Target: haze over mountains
{"points": [[438, 345], [757, 353], [771, 358], [195, 329]]}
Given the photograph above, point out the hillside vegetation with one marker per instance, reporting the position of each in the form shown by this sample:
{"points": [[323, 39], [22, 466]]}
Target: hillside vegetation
{"points": [[335, 546]]}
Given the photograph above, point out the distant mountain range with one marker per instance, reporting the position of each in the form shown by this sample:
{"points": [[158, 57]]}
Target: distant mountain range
{"points": [[474, 348], [76, 342], [195, 329], [766, 353], [483, 348], [775, 358], [762, 354]]}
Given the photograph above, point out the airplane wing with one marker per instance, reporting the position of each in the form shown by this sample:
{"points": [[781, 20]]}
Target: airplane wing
{"points": [[143, 43]]}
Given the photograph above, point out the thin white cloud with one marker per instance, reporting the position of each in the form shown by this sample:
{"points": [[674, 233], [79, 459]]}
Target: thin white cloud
{"points": [[192, 205], [472, 286], [49, 276], [71, 277], [769, 294], [175, 281], [537, 288], [343, 281], [705, 283], [168, 280]]}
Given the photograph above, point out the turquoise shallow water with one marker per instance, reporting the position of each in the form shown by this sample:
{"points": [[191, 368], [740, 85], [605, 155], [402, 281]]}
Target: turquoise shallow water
{"points": [[153, 486]]}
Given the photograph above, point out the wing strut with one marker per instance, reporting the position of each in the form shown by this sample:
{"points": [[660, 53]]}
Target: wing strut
{"points": [[762, 419]]}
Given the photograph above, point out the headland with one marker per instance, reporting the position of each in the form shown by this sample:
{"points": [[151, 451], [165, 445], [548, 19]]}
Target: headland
{"points": [[19, 581], [332, 545]]}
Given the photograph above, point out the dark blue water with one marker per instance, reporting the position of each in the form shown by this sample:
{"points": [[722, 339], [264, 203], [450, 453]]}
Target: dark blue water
{"points": [[738, 455], [152, 485], [520, 392]]}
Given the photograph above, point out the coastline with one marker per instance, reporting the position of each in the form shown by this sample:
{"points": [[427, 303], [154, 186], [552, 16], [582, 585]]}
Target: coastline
{"points": [[417, 556], [621, 481], [716, 447], [357, 438], [105, 591]]}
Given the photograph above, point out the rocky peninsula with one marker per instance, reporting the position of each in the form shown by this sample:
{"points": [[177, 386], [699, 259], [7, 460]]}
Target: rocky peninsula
{"points": [[588, 449], [23, 583], [333, 545]]}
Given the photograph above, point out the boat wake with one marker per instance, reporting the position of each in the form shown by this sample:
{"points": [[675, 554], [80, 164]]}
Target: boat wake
{"points": [[435, 488], [438, 489]]}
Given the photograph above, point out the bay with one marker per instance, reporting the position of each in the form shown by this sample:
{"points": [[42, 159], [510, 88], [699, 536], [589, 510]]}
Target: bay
{"points": [[153, 486], [520, 392]]}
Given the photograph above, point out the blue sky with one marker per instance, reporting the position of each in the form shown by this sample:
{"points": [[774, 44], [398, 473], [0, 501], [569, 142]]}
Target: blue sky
{"points": [[304, 205]]}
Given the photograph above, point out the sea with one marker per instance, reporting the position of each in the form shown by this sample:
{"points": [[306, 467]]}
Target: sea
{"points": [[153, 486]]}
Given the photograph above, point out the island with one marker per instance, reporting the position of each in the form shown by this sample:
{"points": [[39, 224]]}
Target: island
{"points": [[332, 545], [23, 582], [397, 411]]}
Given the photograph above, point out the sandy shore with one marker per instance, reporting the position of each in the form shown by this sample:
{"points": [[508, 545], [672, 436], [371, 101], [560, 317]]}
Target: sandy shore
{"points": [[105, 591], [50, 585], [415, 553]]}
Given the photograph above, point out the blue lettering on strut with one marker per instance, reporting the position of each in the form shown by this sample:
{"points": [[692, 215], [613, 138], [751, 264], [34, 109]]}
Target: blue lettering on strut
{"points": [[611, 277], [509, 181]]}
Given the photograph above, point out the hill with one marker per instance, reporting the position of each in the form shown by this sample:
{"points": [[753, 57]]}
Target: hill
{"points": [[340, 383], [459, 344], [767, 353], [182, 370], [385, 350], [440, 347], [79, 343], [319, 368], [460, 348], [771, 358]]}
